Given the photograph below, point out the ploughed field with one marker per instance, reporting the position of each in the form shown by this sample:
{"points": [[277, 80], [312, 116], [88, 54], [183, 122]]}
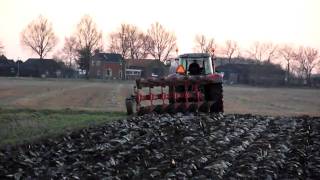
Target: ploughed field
{"points": [[175, 146]]}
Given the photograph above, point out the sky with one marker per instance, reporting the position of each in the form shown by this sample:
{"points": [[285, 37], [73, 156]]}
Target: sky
{"points": [[295, 22]]}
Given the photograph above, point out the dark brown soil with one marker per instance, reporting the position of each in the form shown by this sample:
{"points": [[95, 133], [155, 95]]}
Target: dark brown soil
{"points": [[175, 147]]}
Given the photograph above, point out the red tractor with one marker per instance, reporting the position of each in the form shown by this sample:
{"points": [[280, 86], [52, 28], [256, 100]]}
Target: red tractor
{"points": [[194, 87]]}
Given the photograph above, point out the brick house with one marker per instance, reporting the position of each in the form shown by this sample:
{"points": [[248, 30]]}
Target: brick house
{"points": [[106, 66]]}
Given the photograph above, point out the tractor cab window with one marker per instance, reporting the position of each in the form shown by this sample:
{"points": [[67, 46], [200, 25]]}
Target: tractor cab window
{"points": [[191, 64]]}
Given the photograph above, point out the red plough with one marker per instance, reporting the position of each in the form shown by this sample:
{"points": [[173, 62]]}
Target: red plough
{"points": [[187, 93]]}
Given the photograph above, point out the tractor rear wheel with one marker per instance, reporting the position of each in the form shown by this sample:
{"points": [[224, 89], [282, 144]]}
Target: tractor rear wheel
{"points": [[214, 92], [178, 89], [171, 100]]}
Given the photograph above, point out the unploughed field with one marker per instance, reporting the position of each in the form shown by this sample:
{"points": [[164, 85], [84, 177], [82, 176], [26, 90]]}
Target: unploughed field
{"points": [[110, 96], [65, 129]]}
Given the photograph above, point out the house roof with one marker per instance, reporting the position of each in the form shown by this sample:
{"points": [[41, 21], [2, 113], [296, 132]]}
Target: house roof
{"points": [[7, 62], [195, 55], [38, 59], [266, 68], [3, 57], [108, 57], [41, 63], [139, 62]]}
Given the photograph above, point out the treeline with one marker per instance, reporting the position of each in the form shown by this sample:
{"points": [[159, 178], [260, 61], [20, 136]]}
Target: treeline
{"points": [[79, 47], [159, 43]]}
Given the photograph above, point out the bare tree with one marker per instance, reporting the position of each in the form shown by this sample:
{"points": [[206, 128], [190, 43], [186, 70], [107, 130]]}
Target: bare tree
{"points": [[58, 57], [87, 34], [255, 51], [270, 50], [312, 60], [139, 43], [130, 42], [263, 51], [69, 50], [297, 69], [308, 59], [201, 43], [204, 45], [231, 48], [39, 37], [286, 52], [115, 45], [88, 39], [133, 36], [143, 46], [163, 42], [119, 41]]}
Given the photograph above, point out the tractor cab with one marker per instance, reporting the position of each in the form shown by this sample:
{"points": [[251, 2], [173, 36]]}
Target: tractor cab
{"points": [[195, 64]]}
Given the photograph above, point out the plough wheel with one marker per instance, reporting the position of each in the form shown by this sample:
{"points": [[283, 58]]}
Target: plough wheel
{"points": [[130, 106]]}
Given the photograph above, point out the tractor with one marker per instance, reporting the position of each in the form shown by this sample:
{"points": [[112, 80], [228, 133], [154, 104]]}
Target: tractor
{"points": [[193, 87]]}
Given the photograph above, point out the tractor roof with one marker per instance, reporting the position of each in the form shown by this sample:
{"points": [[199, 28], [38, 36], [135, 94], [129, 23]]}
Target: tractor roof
{"points": [[194, 55]]}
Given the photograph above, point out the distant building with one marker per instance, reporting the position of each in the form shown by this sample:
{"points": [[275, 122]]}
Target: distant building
{"points": [[35, 67], [254, 74], [315, 80], [106, 66], [7, 67], [145, 68]]}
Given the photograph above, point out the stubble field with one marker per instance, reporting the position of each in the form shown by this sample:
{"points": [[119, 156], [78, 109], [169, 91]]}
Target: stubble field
{"points": [[109, 96]]}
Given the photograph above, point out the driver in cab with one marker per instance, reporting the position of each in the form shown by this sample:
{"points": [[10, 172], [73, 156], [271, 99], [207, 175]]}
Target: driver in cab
{"points": [[194, 68]]}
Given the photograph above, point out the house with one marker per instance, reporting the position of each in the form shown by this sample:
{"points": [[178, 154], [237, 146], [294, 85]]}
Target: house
{"points": [[315, 80], [145, 68], [35, 67], [106, 66], [219, 61], [7, 67], [254, 74]]}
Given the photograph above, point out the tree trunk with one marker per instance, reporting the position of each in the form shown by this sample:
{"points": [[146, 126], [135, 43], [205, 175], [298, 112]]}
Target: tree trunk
{"points": [[88, 65], [87, 75], [309, 79], [288, 73], [123, 70]]}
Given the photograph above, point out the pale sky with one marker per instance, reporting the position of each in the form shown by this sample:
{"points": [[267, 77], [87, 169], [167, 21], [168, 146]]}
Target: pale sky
{"points": [[279, 21]]}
